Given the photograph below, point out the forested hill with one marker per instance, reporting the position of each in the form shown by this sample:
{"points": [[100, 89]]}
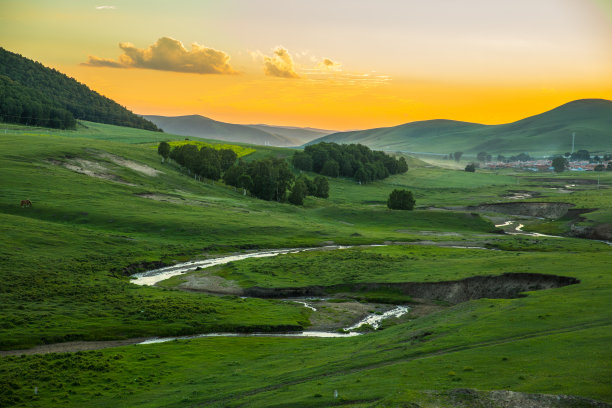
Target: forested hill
{"points": [[32, 87]]}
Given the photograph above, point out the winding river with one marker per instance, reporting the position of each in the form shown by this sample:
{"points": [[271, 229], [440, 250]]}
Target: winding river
{"points": [[373, 320], [149, 278]]}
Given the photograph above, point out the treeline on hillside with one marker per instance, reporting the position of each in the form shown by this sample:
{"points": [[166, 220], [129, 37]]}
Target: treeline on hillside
{"points": [[268, 179], [271, 178], [205, 162], [353, 160], [26, 106], [65, 93]]}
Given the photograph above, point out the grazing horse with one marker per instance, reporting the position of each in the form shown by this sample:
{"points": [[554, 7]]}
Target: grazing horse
{"points": [[26, 203]]}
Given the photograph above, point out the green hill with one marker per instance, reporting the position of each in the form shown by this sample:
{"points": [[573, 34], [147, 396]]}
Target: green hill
{"points": [[546, 133], [299, 134], [201, 126], [29, 90]]}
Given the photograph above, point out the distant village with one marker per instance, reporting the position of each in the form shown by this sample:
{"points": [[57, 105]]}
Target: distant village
{"points": [[578, 161]]}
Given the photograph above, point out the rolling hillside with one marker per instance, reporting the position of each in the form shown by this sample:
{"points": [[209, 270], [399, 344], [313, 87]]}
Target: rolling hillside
{"points": [[31, 90], [200, 126], [300, 135], [546, 133]]}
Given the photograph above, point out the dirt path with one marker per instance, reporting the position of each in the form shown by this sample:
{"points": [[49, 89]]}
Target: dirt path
{"points": [[73, 346]]}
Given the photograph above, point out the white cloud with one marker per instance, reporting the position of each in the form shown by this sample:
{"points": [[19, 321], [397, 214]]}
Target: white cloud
{"points": [[280, 64], [168, 54]]}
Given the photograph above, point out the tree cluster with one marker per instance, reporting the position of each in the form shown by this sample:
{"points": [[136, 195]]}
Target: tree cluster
{"points": [[353, 160], [560, 164], [64, 92], [521, 157], [205, 162], [401, 200], [471, 168], [483, 157], [454, 156], [270, 178], [26, 106]]}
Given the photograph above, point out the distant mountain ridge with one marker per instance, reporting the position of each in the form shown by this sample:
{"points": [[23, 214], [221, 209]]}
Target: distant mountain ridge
{"points": [[33, 89], [201, 126], [551, 131]]}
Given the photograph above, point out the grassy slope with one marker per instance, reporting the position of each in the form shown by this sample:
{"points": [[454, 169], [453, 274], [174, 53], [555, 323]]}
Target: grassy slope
{"points": [[57, 285], [547, 133], [81, 227], [553, 341]]}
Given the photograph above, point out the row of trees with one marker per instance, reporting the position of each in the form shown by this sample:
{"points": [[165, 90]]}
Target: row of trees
{"points": [[30, 107], [456, 156], [561, 164], [268, 179], [65, 93], [204, 162], [585, 155], [354, 160]]}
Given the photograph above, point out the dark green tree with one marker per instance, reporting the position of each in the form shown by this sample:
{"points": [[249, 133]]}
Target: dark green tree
{"points": [[310, 186], [302, 161], [361, 175], [163, 150], [331, 168], [457, 156], [298, 193], [559, 164], [402, 166], [470, 168], [401, 200], [321, 187], [227, 157]]}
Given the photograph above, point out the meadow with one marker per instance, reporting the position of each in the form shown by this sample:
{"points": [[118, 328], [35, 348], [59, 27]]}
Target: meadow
{"points": [[96, 219]]}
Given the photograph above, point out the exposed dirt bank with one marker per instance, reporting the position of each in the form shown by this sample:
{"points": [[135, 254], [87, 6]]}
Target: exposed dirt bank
{"points": [[89, 168], [72, 346], [506, 286], [599, 232], [139, 167], [469, 398], [565, 180], [543, 210]]}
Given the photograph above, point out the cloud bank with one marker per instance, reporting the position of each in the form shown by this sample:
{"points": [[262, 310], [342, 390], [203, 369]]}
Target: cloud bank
{"points": [[280, 64], [168, 54]]}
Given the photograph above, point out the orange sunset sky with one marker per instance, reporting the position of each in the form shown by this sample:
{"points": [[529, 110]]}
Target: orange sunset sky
{"points": [[334, 64]]}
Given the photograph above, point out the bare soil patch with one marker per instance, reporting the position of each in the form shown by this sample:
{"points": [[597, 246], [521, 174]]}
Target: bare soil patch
{"points": [[72, 346], [90, 168], [469, 398], [139, 167], [531, 209]]}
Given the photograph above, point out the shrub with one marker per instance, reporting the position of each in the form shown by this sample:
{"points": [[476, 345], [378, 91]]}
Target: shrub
{"points": [[401, 200]]}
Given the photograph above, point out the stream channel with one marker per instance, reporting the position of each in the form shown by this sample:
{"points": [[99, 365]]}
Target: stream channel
{"points": [[152, 277]]}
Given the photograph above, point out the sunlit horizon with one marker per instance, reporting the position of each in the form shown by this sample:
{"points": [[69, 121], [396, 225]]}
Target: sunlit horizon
{"points": [[340, 66]]}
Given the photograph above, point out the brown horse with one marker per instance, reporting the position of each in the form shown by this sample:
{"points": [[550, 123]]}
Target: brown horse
{"points": [[26, 203]]}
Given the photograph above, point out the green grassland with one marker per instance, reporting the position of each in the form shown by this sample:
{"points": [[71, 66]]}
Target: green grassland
{"points": [[405, 263], [552, 341], [62, 279]]}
